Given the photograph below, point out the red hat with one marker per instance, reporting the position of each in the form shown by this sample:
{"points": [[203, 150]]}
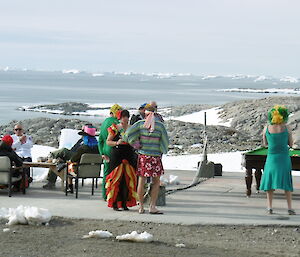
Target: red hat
{"points": [[8, 140]]}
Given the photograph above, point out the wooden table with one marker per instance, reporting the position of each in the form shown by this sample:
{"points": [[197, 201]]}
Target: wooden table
{"points": [[48, 165], [256, 160]]}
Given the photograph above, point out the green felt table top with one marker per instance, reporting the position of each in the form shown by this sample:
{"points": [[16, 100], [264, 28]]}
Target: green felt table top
{"points": [[264, 151]]}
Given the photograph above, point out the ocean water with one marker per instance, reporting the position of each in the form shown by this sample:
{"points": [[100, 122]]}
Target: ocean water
{"points": [[27, 88]]}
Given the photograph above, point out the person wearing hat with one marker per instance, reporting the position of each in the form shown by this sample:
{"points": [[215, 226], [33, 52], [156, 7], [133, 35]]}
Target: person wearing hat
{"points": [[104, 148], [62, 156], [154, 142], [6, 150], [140, 115], [90, 145], [277, 170]]}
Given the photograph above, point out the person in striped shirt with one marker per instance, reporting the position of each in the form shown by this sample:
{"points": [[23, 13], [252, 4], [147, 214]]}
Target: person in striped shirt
{"points": [[153, 140]]}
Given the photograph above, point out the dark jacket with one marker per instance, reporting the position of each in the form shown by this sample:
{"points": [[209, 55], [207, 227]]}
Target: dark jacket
{"points": [[6, 150], [83, 149], [135, 118]]}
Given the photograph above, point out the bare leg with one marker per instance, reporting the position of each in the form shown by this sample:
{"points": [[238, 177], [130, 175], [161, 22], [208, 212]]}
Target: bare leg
{"points": [[141, 191], [288, 195], [154, 193], [270, 198]]}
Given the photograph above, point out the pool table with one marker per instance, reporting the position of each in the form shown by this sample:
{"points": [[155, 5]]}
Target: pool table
{"points": [[256, 160]]}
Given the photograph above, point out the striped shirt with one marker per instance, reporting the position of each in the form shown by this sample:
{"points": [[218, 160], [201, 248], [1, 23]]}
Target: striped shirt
{"points": [[152, 143]]}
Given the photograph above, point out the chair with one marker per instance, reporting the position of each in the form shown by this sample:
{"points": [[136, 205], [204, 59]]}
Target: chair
{"points": [[6, 172], [88, 167]]}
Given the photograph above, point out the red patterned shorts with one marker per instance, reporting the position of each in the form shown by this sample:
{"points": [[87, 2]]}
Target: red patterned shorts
{"points": [[149, 166]]}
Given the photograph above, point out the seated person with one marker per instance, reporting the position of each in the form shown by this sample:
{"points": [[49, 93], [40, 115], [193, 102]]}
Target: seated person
{"points": [[22, 146], [62, 156], [6, 150], [90, 145]]}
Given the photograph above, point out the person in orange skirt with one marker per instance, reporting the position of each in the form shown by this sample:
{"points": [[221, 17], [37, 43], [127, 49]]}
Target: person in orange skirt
{"points": [[121, 182]]}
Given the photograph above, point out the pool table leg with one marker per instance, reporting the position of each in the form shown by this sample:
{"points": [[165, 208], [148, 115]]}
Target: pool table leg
{"points": [[248, 180], [258, 174]]}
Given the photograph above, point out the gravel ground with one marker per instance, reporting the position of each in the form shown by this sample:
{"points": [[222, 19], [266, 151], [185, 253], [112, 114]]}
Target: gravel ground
{"points": [[63, 237]]}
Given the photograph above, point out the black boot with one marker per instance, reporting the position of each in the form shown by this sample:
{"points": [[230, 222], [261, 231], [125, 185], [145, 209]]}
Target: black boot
{"points": [[124, 206], [115, 207], [70, 189]]}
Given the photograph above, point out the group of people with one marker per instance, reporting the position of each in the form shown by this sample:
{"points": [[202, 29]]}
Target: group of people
{"points": [[132, 154], [18, 148], [132, 151]]}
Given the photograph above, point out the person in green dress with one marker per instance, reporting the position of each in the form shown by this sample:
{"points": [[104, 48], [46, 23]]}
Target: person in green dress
{"points": [[104, 148], [277, 170]]}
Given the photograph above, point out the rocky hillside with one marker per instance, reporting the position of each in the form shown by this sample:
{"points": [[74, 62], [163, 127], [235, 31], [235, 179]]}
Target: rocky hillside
{"points": [[251, 116], [248, 120]]}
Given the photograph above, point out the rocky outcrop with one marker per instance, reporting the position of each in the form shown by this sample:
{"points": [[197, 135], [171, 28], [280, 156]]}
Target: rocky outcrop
{"points": [[251, 116]]}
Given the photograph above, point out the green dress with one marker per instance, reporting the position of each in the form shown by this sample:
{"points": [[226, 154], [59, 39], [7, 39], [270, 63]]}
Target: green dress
{"points": [[277, 170], [104, 148]]}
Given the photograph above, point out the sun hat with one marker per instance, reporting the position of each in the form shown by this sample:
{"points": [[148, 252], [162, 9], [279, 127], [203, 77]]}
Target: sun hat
{"points": [[8, 140], [88, 131]]}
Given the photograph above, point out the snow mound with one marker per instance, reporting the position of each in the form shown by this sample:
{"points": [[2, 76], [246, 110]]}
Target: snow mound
{"points": [[25, 215], [98, 234], [136, 237], [180, 245], [172, 180]]}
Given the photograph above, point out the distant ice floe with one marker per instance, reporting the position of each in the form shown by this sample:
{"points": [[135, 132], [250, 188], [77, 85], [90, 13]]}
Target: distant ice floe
{"points": [[97, 75], [210, 77], [25, 215], [212, 117], [136, 237], [260, 78], [289, 79], [71, 71], [263, 91]]}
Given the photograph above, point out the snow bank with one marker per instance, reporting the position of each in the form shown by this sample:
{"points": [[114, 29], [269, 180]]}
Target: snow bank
{"points": [[68, 138], [25, 215], [212, 117], [136, 237], [39, 174], [98, 234]]}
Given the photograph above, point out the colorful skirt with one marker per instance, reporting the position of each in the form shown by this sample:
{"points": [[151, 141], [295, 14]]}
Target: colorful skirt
{"points": [[121, 186], [149, 166]]}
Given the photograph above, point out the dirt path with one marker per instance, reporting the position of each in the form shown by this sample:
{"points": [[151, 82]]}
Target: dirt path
{"points": [[63, 238]]}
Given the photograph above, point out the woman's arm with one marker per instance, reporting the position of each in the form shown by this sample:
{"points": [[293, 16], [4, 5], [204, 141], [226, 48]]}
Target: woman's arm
{"points": [[265, 141], [110, 142], [291, 141]]}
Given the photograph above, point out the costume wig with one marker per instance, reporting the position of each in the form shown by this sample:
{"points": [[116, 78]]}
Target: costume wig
{"points": [[278, 114]]}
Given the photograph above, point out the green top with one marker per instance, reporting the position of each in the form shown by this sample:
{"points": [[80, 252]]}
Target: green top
{"points": [[103, 147], [264, 151]]}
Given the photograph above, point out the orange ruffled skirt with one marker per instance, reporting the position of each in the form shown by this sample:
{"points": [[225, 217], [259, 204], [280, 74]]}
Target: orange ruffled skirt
{"points": [[115, 180]]}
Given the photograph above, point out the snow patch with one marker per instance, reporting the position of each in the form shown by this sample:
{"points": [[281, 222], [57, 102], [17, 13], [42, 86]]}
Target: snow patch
{"points": [[212, 117], [98, 234], [136, 237], [25, 215]]}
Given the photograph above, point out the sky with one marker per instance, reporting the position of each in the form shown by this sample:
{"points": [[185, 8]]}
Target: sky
{"points": [[258, 37]]}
